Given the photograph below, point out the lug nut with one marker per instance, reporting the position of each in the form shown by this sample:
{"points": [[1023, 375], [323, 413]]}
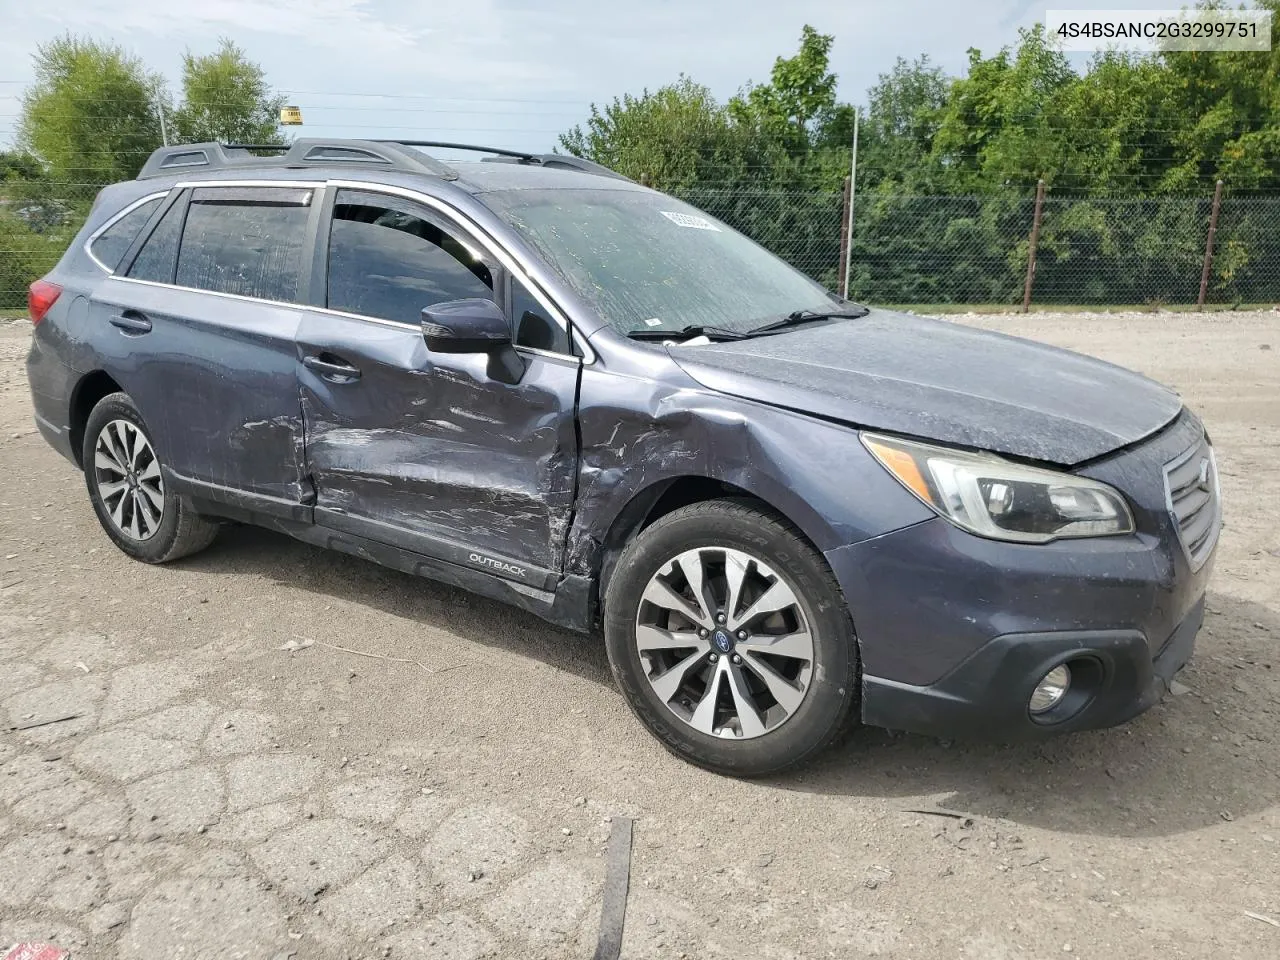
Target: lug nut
{"points": [[719, 618], [715, 657], [702, 632], [742, 634], [736, 658]]}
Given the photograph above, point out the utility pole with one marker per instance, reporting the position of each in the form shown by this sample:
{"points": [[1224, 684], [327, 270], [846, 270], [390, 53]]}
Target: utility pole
{"points": [[848, 224], [164, 129], [1031, 251], [1208, 246]]}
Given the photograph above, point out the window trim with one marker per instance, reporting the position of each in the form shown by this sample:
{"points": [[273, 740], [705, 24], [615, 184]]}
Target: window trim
{"points": [[111, 222], [485, 241]]}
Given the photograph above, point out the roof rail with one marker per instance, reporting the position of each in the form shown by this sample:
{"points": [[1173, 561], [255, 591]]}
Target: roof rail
{"points": [[502, 155], [168, 161], [399, 155]]}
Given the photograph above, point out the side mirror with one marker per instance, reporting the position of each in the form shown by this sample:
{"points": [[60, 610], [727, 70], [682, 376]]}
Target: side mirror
{"points": [[473, 326]]}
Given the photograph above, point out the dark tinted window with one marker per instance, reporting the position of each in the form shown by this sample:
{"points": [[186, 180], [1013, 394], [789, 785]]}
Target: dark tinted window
{"points": [[534, 326], [155, 261], [113, 243], [245, 241], [386, 262]]}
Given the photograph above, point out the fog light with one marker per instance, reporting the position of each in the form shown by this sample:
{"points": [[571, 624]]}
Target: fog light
{"points": [[1050, 691]]}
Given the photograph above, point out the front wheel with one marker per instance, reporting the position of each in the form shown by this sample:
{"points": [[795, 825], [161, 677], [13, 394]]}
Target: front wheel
{"points": [[127, 487], [731, 640]]}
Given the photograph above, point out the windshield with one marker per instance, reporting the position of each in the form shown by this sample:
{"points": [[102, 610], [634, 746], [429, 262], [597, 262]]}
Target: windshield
{"points": [[648, 262]]}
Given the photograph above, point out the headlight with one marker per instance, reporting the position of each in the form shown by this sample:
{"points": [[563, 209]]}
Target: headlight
{"points": [[997, 498]]}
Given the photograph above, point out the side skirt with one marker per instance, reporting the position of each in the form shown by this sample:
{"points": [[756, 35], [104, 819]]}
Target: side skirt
{"points": [[567, 604]]}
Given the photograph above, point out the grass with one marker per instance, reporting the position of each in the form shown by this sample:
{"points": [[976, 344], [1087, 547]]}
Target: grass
{"points": [[997, 308], [12, 314]]}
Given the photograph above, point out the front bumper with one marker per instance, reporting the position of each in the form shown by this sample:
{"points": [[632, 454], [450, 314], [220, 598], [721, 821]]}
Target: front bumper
{"points": [[955, 631], [1115, 678]]}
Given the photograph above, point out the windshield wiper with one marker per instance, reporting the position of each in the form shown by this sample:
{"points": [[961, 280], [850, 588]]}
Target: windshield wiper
{"points": [[685, 333], [798, 317]]}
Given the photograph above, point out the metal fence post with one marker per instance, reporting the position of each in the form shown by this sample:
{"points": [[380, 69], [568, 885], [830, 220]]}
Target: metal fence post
{"points": [[842, 282], [1208, 245], [1031, 252]]}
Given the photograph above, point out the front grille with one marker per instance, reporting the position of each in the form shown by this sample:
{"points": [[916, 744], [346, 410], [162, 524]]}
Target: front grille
{"points": [[1191, 492]]}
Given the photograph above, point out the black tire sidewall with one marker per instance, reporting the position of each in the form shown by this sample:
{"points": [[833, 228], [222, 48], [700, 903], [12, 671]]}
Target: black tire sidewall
{"points": [[833, 691], [118, 406]]}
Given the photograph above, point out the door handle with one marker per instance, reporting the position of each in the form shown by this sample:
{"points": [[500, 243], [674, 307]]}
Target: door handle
{"points": [[334, 369], [134, 324]]}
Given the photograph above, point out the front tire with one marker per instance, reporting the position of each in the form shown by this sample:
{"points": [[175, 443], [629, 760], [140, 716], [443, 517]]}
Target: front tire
{"points": [[135, 505], [731, 640]]}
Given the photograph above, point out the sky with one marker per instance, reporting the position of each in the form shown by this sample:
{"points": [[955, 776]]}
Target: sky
{"points": [[506, 72]]}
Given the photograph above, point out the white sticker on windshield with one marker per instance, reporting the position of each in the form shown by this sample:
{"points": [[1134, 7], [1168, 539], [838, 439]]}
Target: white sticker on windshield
{"points": [[688, 220], [653, 322]]}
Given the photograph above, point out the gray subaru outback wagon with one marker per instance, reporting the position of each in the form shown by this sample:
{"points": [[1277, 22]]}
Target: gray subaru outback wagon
{"points": [[540, 381]]}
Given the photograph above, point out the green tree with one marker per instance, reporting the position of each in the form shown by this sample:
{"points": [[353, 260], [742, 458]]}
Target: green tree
{"points": [[902, 118], [676, 137], [1230, 102], [998, 127], [18, 165], [226, 97], [91, 115], [798, 100]]}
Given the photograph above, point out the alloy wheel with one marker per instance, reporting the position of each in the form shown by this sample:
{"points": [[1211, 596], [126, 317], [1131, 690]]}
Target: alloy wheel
{"points": [[725, 643], [128, 479]]}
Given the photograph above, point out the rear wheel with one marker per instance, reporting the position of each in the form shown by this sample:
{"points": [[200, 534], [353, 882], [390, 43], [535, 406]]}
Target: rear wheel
{"points": [[127, 487], [731, 640]]}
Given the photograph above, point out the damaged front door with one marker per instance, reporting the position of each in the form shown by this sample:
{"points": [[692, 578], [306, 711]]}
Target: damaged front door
{"points": [[420, 450]]}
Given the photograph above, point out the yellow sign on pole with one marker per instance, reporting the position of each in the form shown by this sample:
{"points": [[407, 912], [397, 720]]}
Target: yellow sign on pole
{"points": [[291, 116]]}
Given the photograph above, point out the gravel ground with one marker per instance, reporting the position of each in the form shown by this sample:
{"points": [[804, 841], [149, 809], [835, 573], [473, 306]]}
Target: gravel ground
{"points": [[220, 797]]}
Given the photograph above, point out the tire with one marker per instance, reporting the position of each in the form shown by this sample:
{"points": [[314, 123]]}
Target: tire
{"points": [[722, 712], [138, 510]]}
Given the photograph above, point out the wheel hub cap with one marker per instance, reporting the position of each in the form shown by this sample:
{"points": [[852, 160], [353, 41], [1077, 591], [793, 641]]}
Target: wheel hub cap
{"points": [[725, 642], [722, 641], [129, 480]]}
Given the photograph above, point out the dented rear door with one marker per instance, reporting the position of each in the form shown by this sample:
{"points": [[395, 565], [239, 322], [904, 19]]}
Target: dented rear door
{"points": [[199, 330], [419, 450]]}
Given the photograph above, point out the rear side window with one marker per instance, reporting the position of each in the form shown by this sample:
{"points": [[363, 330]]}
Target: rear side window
{"points": [[389, 263], [245, 240], [114, 242], [158, 256]]}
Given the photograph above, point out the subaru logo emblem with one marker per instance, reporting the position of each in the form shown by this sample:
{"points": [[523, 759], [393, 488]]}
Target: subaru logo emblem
{"points": [[722, 640], [1203, 481]]}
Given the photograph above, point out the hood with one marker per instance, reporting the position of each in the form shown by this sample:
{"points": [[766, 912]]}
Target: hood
{"points": [[941, 381]]}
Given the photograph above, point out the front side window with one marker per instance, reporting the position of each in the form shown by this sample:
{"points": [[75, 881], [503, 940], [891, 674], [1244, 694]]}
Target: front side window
{"points": [[389, 261], [113, 243], [246, 241], [645, 261]]}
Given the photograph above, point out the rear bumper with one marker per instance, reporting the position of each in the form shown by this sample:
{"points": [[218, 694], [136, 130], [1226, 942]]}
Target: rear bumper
{"points": [[57, 437], [1115, 678], [52, 384]]}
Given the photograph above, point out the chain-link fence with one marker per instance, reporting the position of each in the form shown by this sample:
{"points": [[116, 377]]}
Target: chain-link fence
{"points": [[976, 250], [38, 219], [917, 250]]}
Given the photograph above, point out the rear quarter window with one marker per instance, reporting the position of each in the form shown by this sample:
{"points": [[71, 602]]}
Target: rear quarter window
{"points": [[156, 260], [110, 246]]}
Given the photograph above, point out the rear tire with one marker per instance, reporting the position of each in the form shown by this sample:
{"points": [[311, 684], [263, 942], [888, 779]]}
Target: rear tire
{"points": [[763, 673], [137, 508]]}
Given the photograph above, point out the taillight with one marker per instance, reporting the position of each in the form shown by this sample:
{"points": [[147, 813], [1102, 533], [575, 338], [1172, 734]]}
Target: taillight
{"points": [[40, 297]]}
